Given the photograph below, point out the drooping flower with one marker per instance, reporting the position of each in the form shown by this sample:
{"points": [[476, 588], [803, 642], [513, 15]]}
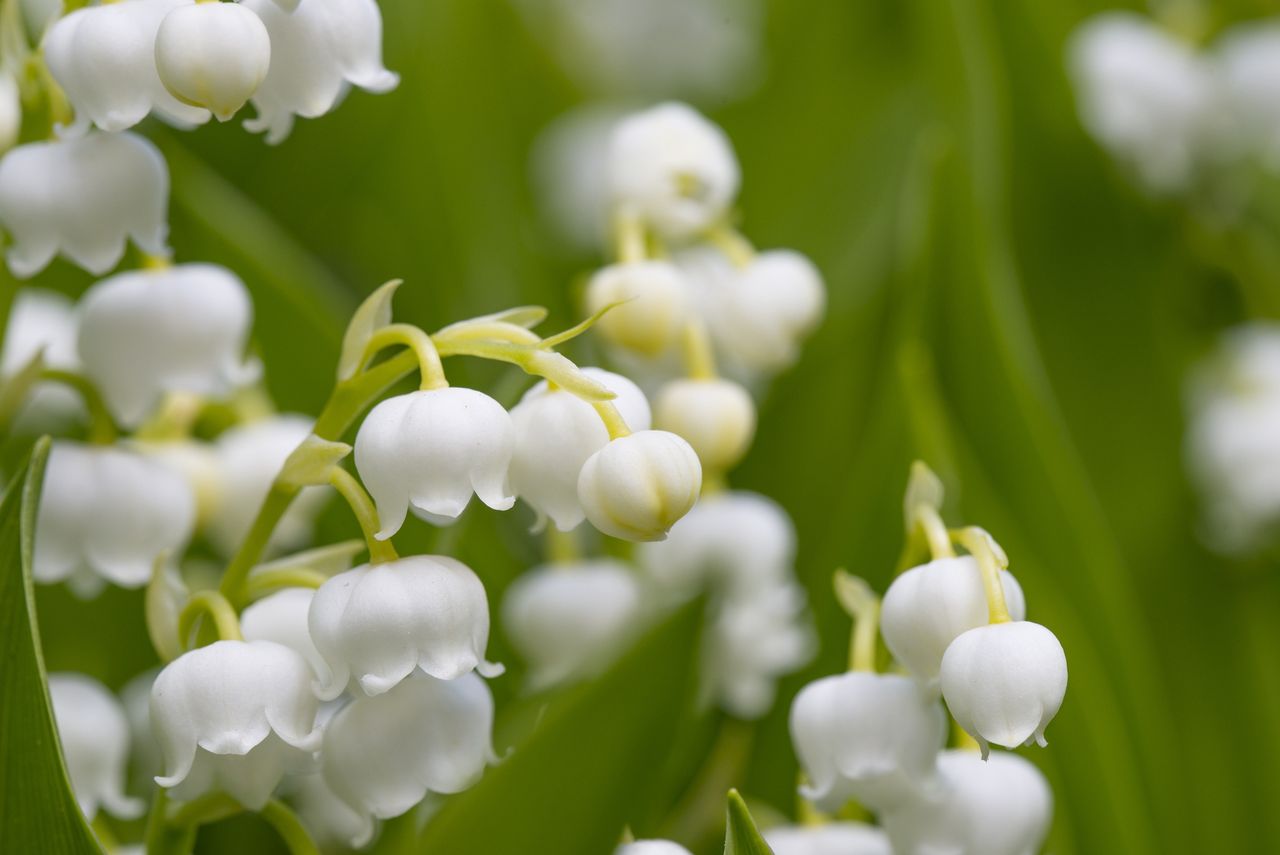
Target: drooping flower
{"points": [[329, 819], [998, 807], [1246, 62], [569, 620], [234, 716], [282, 618], [104, 58], [382, 755], [375, 625], [752, 642], [651, 847], [1005, 682], [42, 321], [555, 433], [835, 838], [717, 417], [869, 737], [105, 515], [638, 486], [650, 305], [95, 744], [318, 52], [570, 161], [928, 607], [84, 198], [10, 112], [212, 55]]}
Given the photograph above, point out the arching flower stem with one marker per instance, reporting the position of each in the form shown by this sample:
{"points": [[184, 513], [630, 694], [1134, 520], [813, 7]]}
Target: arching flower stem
{"points": [[613, 420], [216, 606], [429, 365], [699, 358], [266, 582], [102, 428], [935, 532], [289, 827], [733, 244], [991, 560], [860, 603], [365, 513]]}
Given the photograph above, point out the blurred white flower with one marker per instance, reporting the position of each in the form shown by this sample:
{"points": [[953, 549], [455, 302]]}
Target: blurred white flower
{"points": [[105, 515], [234, 716], [651, 305], [104, 58], [568, 621], [1005, 682], [673, 168], [834, 838], [638, 486], [555, 433], [196, 462], [84, 198], [570, 168], [928, 607], [10, 111], [651, 847], [146, 333], [328, 818], [146, 761], [38, 16], [282, 618], [869, 737], [432, 450], [41, 320], [751, 642], [1247, 59], [318, 52], [717, 417], [998, 807], [378, 623], [382, 755], [95, 744], [212, 55]]}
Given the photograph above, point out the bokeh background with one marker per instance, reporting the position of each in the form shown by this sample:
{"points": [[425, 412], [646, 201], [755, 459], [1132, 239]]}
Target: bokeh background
{"points": [[1003, 304]]}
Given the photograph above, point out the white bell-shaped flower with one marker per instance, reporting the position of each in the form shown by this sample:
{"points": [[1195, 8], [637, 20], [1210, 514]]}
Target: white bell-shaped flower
{"points": [[569, 162], [104, 58], [39, 15], [234, 716], [10, 112], [331, 822], [834, 838], [1005, 682], [568, 621], [638, 486], [146, 761], [248, 459], [653, 305], [432, 450], [105, 515], [1247, 64], [382, 755], [752, 642], [716, 416], [42, 321], [555, 433], [651, 847], [95, 744], [212, 55], [282, 618], [377, 623], [928, 607], [178, 329], [84, 198], [195, 462], [737, 542], [673, 168], [1002, 806], [869, 737], [318, 51]]}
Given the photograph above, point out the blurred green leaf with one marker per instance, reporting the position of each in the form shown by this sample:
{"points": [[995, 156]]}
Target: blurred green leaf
{"points": [[38, 813], [741, 837]]}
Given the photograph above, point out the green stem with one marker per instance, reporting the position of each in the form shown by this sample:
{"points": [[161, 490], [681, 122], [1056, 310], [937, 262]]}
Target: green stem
{"points": [[629, 237], [699, 358], [289, 827], [216, 606], [562, 546], [419, 343], [211, 807], [735, 247], [935, 532], [266, 582], [102, 428], [612, 419], [861, 604], [366, 514], [162, 838], [978, 542]]}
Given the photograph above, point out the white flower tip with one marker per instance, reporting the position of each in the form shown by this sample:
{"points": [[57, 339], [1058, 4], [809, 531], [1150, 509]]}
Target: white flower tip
{"points": [[490, 670]]}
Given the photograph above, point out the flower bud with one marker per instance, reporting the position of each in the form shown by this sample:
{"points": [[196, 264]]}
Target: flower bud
{"points": [[234, 716], [212, 55], [638, 486], [177, 329], [431, 450], [869, 737], [382, 755], [673, 168], [376, 624], [84, 198], [95, 744], [999, 807], [653, 305], [10, 112], [1004, 682], [927, 607], [105, 514], [555, 433], [319, 50], [753, 641], [759, 317], [834, 838], [717, 417], [104, 59], [282, 618], [569, 620]]}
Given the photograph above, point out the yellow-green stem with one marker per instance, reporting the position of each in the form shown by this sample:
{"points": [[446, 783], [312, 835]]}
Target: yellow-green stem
{"points": [[860, 603], [699, 358], [613, 420], [266, 582], [978, 542], [429, 365], [216, 606], [102, 428], [562, 546], [629, 236], [735, 247], [935, 532], [289, 827], [366, 514]]}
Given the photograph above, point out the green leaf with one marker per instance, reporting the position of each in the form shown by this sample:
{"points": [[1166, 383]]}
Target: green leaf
{"points": [[741, 837], [596, 753], [38, 812]]}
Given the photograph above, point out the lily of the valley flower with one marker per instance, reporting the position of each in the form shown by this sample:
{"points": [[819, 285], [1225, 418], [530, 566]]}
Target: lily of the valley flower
{"points": [[282, 618], [382, 755], [234, 716], [327, 817], [378, 623], [10, 112], [432, 450], [178, 329], [319, 50], [651, 847], [638, 486], [95, 744], [752, 642], [1247, 64], [1005, 682], [835, 838], [42, 321], [84, 198], [555, 433], [869, 737], [212, 55], [650, 305], [105, 515], [716, 416]]}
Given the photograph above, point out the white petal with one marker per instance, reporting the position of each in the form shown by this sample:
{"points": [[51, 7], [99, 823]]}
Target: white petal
{"points": [[638, 486], [95, 744], [835, 838], [282, 618]]}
